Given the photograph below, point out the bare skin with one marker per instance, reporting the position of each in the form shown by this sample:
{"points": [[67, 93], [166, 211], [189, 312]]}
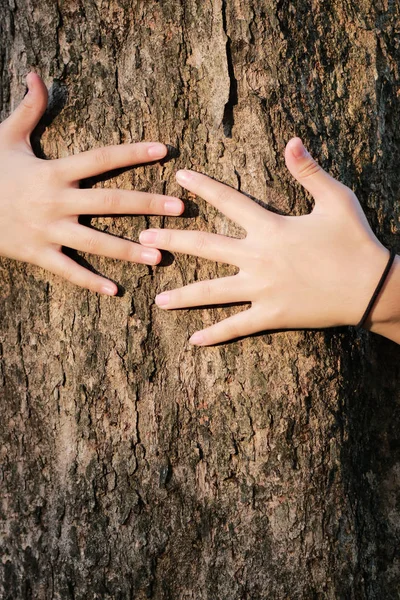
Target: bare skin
{"points": [[313, 271], [40, 200]]}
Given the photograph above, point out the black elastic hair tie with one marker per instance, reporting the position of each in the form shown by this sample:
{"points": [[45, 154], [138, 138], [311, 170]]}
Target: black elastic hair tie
{"points": [[378, 289]]}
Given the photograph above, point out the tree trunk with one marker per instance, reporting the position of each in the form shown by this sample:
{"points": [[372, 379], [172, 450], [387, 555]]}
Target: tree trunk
{"points": [[133, 465]]}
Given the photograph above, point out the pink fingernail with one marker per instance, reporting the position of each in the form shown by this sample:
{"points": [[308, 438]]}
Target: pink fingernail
{"points": [[173, 207], [197, 339], [162, 299], [299, 151], [109, 289], [156, 150], [150, 257], [148, 237], [29, 80], [184, 176]]}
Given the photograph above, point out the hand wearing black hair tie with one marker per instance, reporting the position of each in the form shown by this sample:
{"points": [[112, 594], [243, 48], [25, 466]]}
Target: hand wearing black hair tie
{"points": [[312, 271]]}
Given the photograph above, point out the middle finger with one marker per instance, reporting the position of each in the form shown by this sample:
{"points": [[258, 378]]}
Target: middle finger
{"points": [[198, 243], [109, 201]]}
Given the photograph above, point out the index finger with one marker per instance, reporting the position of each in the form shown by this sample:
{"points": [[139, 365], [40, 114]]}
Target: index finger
{"points": [[236, 206], [107, 158]]}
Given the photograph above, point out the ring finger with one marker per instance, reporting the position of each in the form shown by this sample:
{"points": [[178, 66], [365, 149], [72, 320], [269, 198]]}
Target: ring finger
{"points": [[86, 239]]}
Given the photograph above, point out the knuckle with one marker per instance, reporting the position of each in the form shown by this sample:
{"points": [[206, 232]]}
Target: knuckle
{"points": [[309, 169], [233, 329], [91, 243], [200, 241], [165, 239], [224, 195], [153, 205], [207, 291], [177, 297], [28, 103], [67, 274], [111, 200], [130, 252], [102, 157]]}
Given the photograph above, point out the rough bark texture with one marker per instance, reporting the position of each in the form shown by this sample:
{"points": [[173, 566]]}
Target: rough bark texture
{"points": [[132, 465]]}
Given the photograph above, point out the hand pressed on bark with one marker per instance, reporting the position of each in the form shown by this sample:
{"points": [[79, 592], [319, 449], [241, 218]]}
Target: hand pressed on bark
{"points": [[40, 200], [313, 271]]}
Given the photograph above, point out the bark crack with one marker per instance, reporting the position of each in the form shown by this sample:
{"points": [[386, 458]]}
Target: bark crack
{"points": [[228, 120]]}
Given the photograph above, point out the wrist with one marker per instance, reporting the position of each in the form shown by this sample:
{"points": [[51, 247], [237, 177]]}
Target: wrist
{"points": [[384, 317]]}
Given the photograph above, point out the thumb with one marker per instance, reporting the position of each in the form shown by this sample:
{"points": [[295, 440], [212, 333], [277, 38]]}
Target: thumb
{"points": [[308, 172], [20, 124]]}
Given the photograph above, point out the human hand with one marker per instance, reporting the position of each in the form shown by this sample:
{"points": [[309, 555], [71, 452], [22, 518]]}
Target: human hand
{"points": [[40, 200], [312, 271]]}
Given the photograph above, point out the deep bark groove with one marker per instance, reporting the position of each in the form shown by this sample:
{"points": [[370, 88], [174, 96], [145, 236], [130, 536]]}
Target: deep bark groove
{"points": [[228, 120]]}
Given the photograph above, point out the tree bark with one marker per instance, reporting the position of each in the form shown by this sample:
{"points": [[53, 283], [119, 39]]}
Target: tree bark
{"points": [[133, 465]]}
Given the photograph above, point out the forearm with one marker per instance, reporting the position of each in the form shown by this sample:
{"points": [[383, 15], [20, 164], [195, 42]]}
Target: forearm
{"points": [[385, 316]]}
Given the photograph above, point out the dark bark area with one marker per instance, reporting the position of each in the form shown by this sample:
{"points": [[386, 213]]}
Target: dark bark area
{"points": [[135, 466]]}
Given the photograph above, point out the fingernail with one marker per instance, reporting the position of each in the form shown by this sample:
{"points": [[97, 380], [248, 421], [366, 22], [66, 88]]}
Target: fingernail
{"points": [[197, 339], [28, 80], [162, 299], [184, 176], [109, 289], [299, 151], [151, 257], [148, 237], [173, 207], [156, 150]]}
